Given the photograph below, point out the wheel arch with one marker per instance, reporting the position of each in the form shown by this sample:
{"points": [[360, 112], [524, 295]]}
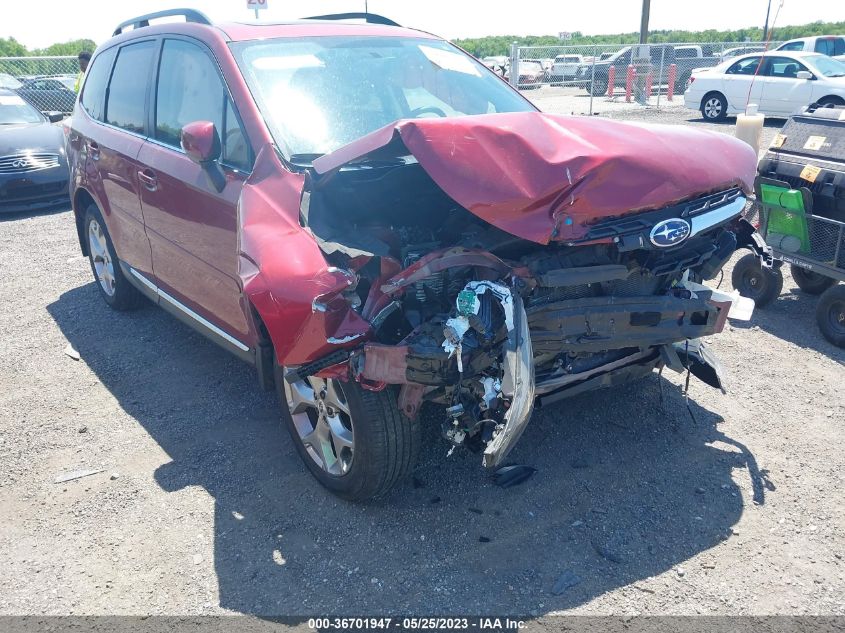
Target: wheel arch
{"points": [[835, 99], [711, 93], [82, 199], [265, 355]]}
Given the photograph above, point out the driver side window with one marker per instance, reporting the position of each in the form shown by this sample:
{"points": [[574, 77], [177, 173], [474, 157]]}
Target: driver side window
{"points": [[190, 89]]}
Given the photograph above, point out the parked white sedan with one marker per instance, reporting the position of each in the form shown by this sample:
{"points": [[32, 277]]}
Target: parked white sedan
{"points": [[781, 83]]}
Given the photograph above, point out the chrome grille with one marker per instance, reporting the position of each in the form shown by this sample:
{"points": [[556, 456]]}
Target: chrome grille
{"points": [[21, 163]]}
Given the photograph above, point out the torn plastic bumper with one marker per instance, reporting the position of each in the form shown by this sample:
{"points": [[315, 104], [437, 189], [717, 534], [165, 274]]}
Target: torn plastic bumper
{"points": [[517, 385]]}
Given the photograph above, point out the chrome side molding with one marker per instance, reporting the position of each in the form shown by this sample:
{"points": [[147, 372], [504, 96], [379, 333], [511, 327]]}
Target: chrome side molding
{"points": [[182, 309]]}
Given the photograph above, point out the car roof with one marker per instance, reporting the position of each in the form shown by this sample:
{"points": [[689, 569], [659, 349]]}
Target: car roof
{"points": [[239, 32]]}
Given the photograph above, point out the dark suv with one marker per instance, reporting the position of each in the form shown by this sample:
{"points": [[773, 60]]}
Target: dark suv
{"points": [[375, 220]]}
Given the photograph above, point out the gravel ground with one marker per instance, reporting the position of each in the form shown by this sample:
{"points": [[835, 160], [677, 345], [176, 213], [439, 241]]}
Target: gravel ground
{"points": [[733, 506]]}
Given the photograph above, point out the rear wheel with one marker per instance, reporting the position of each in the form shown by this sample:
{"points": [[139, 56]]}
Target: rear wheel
{"points": [[355, 442], [810, 282], [598, 87], [830, 315], [115, 289], [832, 100], [714, 107], [755, 282]]}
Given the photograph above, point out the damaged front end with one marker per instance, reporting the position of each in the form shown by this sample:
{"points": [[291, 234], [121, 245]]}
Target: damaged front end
{"points": [[511, 269]]}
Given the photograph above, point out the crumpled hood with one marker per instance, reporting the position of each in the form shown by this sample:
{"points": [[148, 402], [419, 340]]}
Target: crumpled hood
{"points": [[545, 177]]}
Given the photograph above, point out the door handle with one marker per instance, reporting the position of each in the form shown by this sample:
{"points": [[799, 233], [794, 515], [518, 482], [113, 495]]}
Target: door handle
{"points": [[148, 179], [94, 150]]}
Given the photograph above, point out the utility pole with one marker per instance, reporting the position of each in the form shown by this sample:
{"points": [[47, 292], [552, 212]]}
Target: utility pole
{"points": [[766, 28], [644, 21], [641, 58]]}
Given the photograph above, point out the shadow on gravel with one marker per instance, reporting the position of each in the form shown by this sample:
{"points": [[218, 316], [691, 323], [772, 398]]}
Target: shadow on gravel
{"points": [[770, 122], [23, 215], [625, 489], [792, 317]]}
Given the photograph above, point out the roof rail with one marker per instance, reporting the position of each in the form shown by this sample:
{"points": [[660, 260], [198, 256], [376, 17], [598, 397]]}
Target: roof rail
{"points": [[190, 15], [372, 18]]}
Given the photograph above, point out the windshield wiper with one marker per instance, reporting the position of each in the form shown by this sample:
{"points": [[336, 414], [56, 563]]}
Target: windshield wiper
{"points": [[304, 158]]}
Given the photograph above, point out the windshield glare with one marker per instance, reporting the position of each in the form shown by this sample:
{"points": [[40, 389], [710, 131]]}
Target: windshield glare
{"points": [[827, 66], [320, 93], [14, 110]]}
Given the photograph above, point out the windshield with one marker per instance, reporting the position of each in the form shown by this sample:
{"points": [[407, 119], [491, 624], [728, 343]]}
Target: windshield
{"points": [[14, 110], [530, 67], [827, 66], [320, 93]]}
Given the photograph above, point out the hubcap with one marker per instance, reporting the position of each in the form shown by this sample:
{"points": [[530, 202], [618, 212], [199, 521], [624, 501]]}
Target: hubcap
{"points": [[103, 265], [323, 423], [753, 283], [712, 108]]}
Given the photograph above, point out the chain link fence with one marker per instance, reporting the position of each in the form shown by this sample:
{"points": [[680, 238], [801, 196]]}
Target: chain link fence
{"points": [[45, 82], [651, 74]]}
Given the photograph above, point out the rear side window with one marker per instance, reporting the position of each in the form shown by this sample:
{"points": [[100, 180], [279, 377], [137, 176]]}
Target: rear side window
{"points": [[96, 79], [747, 66], [831, 46], [128, 88], [792, 46], [190, 89]]}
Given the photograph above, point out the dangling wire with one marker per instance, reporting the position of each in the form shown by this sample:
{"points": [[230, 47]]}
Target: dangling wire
{"points": [[768, 38]]}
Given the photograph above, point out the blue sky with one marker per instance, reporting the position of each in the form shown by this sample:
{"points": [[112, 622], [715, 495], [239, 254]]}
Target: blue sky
{"points": [[71, 19]]}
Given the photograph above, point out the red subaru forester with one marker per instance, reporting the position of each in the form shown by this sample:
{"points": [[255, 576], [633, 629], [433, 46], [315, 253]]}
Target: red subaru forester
{"points": [[375, 220]]}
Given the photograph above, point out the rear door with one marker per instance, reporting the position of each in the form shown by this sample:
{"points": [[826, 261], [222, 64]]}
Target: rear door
{"points": [[740, 85], [108, 134], [193, 227]]}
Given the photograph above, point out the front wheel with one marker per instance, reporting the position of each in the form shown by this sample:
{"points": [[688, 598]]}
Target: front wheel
{"points": [[714, 107], [763, 285], [810, 282], [355, 442], [830, 315]]}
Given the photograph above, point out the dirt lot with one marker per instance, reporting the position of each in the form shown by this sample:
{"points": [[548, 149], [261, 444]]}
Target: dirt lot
{"points": [[733, 507]]}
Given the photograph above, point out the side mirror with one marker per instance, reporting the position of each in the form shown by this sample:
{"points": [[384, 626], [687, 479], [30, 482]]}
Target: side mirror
{"points": [[804, 74], [201, 143], [54, 117]]}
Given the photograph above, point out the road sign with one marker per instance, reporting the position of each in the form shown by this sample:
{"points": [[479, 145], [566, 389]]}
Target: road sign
{"points": [[256, 4], [565, 35]]}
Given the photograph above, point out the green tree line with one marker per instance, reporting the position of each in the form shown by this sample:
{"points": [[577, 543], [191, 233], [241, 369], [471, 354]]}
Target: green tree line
{"points": [[10, 47], [500, 44]]}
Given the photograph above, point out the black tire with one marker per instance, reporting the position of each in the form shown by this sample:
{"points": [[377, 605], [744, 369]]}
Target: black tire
{"points": [[830, 315], [598, 87], [714, 107], [386, 443], [755, 282], [810, 282], [125, 296]]}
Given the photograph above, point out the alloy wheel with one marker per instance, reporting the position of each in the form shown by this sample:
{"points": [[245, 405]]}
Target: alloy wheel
{"points": [[712, 108], [320, 413], [100, 256]]}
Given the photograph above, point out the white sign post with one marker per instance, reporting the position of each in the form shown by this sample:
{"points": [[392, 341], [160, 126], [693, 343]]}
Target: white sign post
{"points": [[256, 5]]}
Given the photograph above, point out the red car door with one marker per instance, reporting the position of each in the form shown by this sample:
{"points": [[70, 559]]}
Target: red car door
{"points": [[109, 134], [191, 225]]}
